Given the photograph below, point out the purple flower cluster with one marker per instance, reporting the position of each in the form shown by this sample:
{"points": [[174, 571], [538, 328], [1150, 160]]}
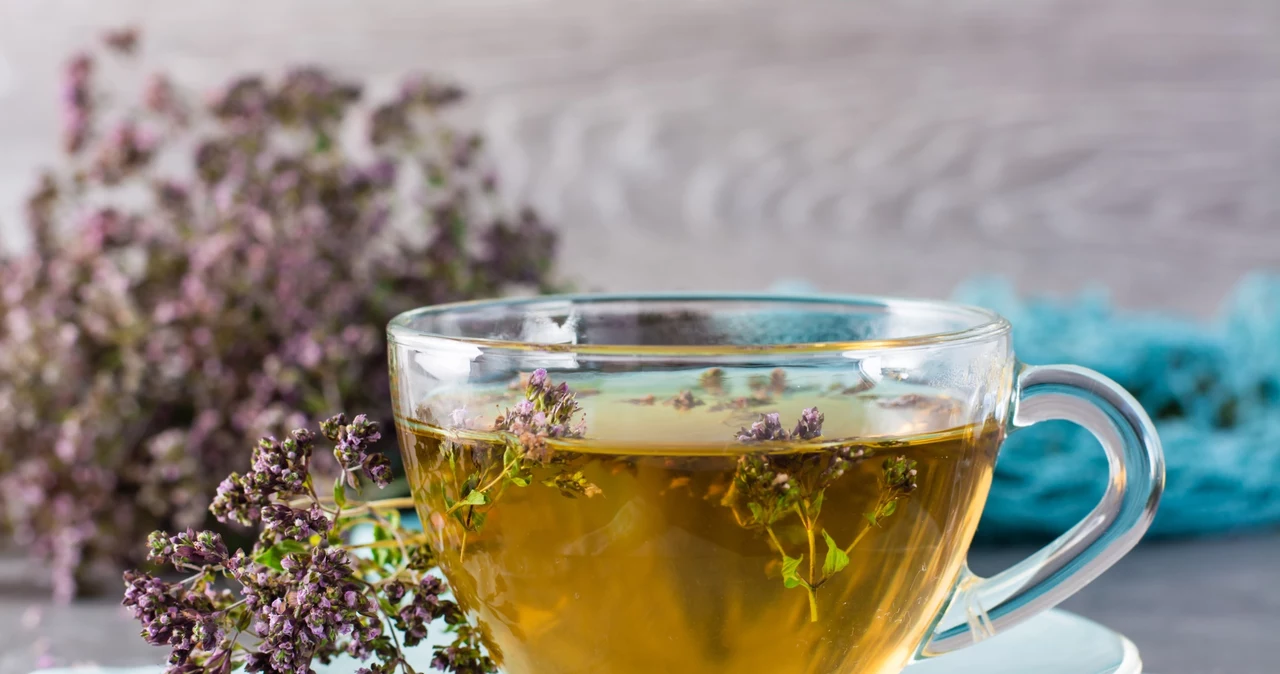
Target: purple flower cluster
{"points": [[278, 468], [771, 484], [424, 607], [841, 459], [546, 411], [464, 655], [354, 448], [810, 424], [301, 613], [305, 598], [769, 428], [159, 316], [77, 103], [282, 522], [187, 549], [173, 616], [899, 476], [281, 467]]}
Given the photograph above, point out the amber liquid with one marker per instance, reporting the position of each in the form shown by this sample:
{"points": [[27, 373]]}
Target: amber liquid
{"points": [[659, 573]]}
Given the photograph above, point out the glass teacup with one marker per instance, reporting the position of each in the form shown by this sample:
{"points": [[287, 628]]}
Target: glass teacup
{"points": [[619, 484]]}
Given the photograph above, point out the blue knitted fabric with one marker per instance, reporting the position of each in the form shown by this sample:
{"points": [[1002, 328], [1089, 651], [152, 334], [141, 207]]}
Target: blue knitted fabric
{"points": [[1213, 389]]}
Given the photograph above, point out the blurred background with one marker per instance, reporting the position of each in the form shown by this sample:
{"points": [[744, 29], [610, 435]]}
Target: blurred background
{"points": [[896, 147], [1127, 149]]}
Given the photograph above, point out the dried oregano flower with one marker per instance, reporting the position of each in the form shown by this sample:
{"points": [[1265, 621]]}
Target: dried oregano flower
{"points": [[768, 489], [306, 595], [200, 271]]}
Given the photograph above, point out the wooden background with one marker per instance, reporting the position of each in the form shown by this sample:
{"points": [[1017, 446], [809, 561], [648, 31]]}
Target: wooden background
{"points": [[894, 146]]}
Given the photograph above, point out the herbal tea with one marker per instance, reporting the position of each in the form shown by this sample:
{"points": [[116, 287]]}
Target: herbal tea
{"points": [[667, 525]]}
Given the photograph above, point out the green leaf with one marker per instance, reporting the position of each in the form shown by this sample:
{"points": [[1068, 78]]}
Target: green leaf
{"points": [[791, 572], [816, 506], [518, 481], [475, 498], [340, 492], [271, 556], [756, 511], [871, 517], [889, 508], [836, 559], [383, 555]]}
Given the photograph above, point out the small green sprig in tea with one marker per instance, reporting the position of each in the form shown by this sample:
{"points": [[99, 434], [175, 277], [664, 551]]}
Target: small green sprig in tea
{"points": [[897, 481], [547, 412], [775, 487], [306, 595]]}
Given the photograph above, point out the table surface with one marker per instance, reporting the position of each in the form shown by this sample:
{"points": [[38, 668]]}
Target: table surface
{"points": [[1192, 607]]}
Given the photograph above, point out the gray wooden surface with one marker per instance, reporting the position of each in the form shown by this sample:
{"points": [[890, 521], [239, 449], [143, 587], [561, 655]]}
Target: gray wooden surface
{"points": [[896, 147]]}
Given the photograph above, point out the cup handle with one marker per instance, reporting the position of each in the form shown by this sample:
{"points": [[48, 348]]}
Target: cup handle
{"points": [[982, 607]]}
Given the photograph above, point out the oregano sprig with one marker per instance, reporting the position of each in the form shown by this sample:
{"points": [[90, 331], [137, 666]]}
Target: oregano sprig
{"points": [[774, 487], [306, 594], [546, 411]]}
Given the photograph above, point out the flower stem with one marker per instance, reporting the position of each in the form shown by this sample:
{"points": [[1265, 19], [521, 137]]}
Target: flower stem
{"points": [[395, 638], [378, 545], [773, 537], [381, 505], [813, 544], [506, 468], [857, 538], [813, 553]]}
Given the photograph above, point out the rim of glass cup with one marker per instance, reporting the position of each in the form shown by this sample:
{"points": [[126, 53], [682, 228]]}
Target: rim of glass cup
{"points": [[984, 324]]}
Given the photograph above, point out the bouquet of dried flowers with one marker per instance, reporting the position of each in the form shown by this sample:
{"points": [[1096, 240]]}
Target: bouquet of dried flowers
{"points": [[306, 594], [203, 271]]}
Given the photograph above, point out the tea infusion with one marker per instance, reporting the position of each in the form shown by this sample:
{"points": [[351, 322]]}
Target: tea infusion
{"points": [[788, 529]]}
